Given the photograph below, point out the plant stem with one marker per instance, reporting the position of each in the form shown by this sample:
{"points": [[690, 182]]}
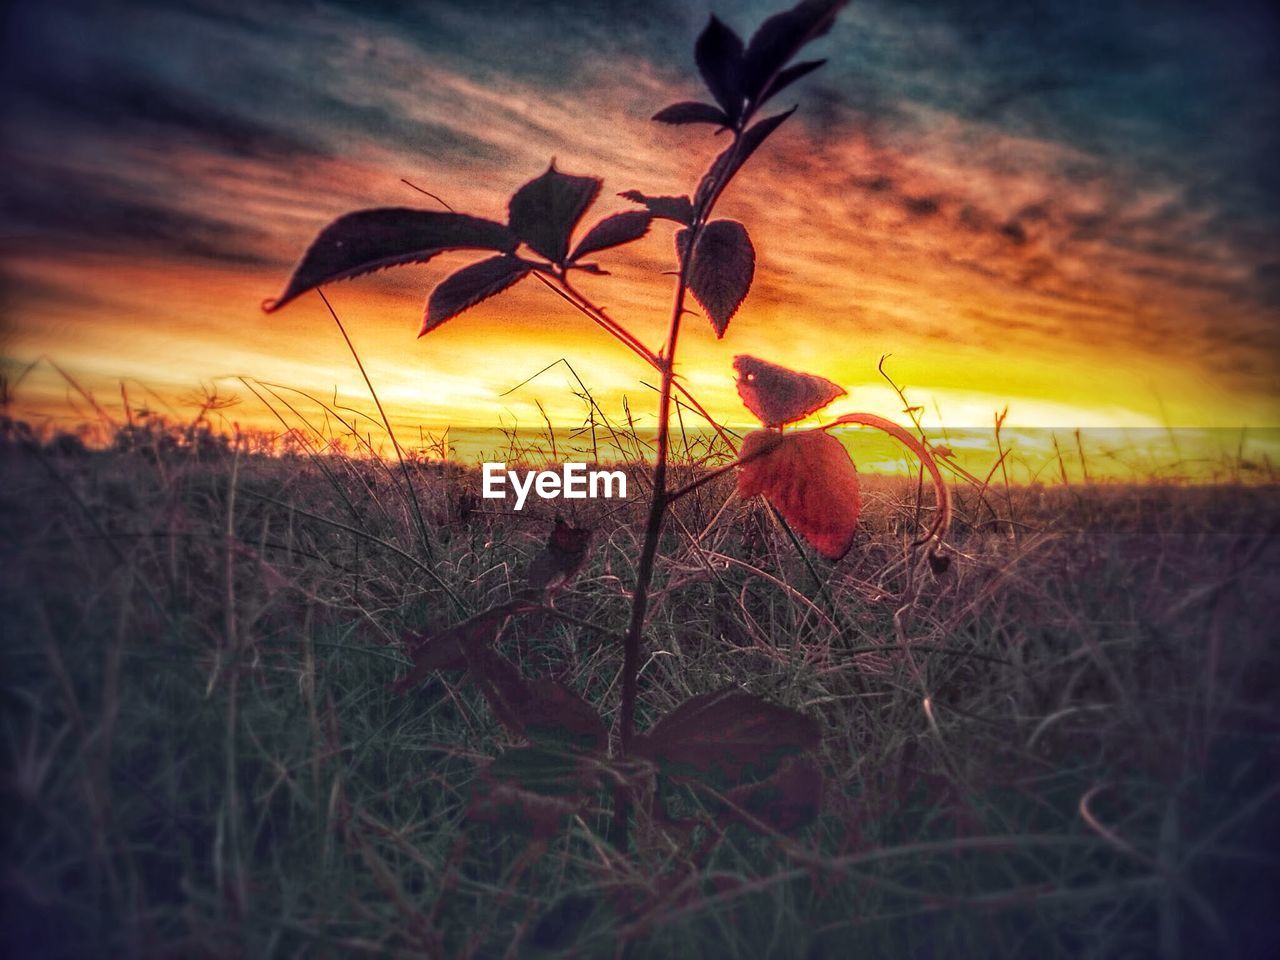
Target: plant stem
{"points": [[653, 529], [657, 509], [580, 302], [566, 292], [648, 554]]}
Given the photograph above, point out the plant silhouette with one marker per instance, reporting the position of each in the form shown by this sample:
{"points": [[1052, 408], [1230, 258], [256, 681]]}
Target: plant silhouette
{"points": [[745, 759]]}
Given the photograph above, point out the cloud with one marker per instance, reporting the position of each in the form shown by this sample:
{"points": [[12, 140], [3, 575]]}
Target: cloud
{"points": [[1075, 186]]}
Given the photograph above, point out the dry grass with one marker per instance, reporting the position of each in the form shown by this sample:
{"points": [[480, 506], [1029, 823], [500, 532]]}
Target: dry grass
{"points": [[1063, 746]]}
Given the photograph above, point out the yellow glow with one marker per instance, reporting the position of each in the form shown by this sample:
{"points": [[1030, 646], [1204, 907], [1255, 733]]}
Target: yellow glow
{"points": [[1061, 334]]}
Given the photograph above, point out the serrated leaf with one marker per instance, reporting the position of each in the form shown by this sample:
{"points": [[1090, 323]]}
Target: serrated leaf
{"points": [[781, 37], [789, 76], [731, 159], [369, 240], [679, 209], [545, 210], [758, 133], [720, 270], [786, 802], [613, 232], [682, 244], [543, 711], [545, 770], [779, 396], [718, 53], [727, 738], [555, 714], [470, 285], [691, 111], [532, 790], [446, 650], [810, 479], [503, 686]]}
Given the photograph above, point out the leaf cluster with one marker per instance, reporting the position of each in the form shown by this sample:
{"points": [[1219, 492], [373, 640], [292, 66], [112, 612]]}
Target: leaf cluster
{"points": [[748, 760], [741, 757]]}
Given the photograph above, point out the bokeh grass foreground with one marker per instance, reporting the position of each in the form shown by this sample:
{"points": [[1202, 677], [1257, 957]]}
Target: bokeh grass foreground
{"points": [[1063, 745]]}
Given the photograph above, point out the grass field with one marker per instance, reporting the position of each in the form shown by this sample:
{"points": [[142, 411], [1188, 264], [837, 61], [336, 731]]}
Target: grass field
{"points": [[1064, 745]]}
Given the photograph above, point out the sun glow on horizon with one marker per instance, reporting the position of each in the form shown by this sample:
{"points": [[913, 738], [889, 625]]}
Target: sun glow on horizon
{"points": [[1000, 268]]}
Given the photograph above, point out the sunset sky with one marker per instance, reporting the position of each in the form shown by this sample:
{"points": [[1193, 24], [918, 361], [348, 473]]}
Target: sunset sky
{"points": [[1068, 208]]}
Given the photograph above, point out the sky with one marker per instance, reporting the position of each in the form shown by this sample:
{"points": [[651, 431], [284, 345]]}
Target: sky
{"points": [[1071, 210]]}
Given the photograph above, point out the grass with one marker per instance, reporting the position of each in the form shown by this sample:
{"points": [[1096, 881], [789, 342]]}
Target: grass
{"points": [[1062, 746]]}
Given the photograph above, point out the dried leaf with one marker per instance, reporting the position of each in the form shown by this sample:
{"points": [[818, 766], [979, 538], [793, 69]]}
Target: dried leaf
{"points": [[560, 559], [679, 209], [721, 269], [369, 240], [469, 286], [727, 738], [691, 111], [545, 210], [781, 37], [777, 395], [613, 232], [718, 52], [540, 710], [810, 479]]}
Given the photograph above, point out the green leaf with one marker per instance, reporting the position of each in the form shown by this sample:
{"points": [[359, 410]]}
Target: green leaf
{"points": [[727, 738], [469, 286], [691, 111], [679, 209], [718, 53], [613, 232], [721, 269], [369, 240], [545, 210]]}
